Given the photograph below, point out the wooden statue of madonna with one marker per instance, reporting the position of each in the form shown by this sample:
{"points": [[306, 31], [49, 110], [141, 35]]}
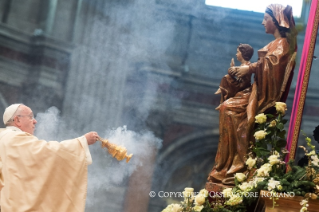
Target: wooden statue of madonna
{"points": [[241, 101]]}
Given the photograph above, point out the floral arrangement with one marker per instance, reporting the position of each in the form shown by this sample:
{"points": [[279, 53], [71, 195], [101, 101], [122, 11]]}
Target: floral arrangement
{"points": [[191, 202], [266, 171]]}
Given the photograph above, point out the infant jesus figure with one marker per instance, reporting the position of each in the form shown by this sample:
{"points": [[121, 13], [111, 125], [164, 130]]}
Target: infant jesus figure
{"points": [[230, 83]]}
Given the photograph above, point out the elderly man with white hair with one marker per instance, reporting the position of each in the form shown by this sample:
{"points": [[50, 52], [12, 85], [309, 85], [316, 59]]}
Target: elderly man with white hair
{"points": [[37, 175]]}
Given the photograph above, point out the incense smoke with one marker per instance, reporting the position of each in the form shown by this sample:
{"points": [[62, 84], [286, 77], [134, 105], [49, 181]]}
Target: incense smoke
{"points": [[105, 173]]}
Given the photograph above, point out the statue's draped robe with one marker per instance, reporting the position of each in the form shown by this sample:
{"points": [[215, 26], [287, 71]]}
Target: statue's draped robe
{"points": [[237, 114], [42, 176]]}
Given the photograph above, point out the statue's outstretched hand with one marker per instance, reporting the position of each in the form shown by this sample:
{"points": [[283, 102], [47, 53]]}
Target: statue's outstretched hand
{"points": [[242, 71], [232, 62], [232, 71]]}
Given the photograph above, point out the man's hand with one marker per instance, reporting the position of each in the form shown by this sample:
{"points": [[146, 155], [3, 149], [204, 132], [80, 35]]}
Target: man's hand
{"points": [[91, 137]]}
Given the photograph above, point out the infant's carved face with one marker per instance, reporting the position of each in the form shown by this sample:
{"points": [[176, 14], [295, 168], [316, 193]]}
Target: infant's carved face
{"points": [[239, 56]]}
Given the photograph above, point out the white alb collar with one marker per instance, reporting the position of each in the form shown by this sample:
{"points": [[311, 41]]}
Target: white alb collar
{"points": [[13, 128]]}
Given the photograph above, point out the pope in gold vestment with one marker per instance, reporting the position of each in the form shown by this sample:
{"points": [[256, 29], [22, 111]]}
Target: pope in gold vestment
{"points": [[42, 176]]}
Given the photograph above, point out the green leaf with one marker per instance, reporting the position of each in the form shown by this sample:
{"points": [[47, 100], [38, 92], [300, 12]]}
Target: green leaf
{"points": [[277, 149], [270, 115], [281, 143], [262, 151], [260, 144], [284, 121], [263, 144], [282, 134], [280, 126]]}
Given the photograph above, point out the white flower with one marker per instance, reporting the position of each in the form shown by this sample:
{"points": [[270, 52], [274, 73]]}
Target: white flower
{"points": [[203, 192], [261, 134], [227, 192], [246, 186], [276, 153], [234, 200], [201, 197], [311, 153], [173, 208], [256, 180], [279, 187], [303, 202], [240, 177], [243, 186], [272, 123], [261, 118], [315, 160], [251, 162], [177, 208], [189, 189], [303, 209], [281, 107], [273, 159], [188, 195], [198, 208], [272, 184], [200, 200], [264, 170]]}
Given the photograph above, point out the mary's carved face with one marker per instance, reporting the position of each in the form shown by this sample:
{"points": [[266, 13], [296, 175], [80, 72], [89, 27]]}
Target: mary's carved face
{"points": [[269, 25]]}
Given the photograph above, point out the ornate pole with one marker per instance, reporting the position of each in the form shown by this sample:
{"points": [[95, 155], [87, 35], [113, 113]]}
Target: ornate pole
{"points": [[302, 81]]}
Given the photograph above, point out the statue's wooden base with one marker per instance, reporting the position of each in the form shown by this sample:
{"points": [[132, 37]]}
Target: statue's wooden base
{"points": [[215, 193], [284, 204], [216, 187]]}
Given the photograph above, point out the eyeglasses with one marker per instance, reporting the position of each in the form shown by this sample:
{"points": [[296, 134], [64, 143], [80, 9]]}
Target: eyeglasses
{"points": [[30, 116]]}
